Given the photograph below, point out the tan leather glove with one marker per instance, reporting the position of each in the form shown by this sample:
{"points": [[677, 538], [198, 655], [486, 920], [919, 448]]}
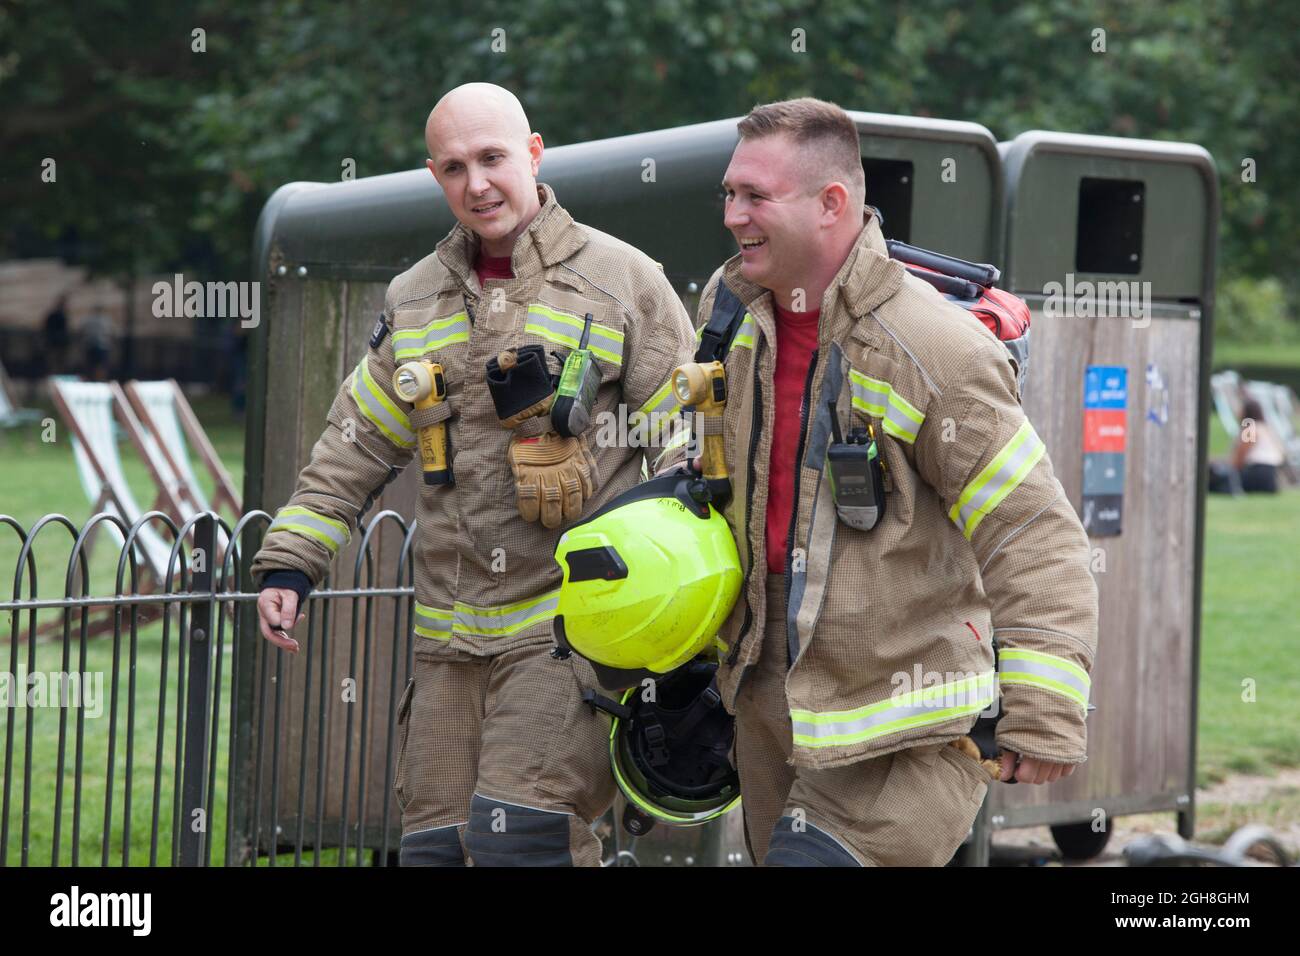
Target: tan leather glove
{"points": [[554, 477]]}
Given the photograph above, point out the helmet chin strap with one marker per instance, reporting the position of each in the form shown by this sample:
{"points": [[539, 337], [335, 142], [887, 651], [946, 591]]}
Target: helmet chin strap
{"points": [[608, 705]]}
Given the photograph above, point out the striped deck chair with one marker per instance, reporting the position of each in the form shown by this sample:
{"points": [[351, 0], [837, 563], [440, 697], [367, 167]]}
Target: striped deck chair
{"points": [[89, 410], [1225, 389], [167, 419]]}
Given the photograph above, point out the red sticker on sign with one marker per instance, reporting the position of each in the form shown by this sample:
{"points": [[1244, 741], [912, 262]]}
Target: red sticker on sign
{"points": [[1103, 429]]}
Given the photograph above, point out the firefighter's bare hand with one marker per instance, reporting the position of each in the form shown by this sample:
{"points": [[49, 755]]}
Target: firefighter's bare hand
{"points": [[277, 614], [1031, 769]]}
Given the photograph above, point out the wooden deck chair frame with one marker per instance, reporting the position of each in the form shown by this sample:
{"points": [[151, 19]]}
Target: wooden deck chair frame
{"points": [[149, 577], [223, 486], [1225, 388]]}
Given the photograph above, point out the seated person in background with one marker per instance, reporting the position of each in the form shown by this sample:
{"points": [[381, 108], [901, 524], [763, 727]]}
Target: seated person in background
{"points": [[1258, 452]]}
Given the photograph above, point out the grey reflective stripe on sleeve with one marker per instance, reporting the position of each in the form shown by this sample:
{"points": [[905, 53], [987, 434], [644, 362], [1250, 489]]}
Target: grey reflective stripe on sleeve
{"points": [[1020, 666], [379, 408], [506, 834], [437, 847], [998, 479], [300, 521], [661, 414], [663, 400], [805, 845]]}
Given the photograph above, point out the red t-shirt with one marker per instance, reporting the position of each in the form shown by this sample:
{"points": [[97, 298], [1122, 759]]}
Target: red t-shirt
{"points": [[492, 267], [796, 339]]}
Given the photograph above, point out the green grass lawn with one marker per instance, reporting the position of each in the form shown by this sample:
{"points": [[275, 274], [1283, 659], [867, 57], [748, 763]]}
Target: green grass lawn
{"points": [[1252, 565], [1249, 633], [1231, 354]]}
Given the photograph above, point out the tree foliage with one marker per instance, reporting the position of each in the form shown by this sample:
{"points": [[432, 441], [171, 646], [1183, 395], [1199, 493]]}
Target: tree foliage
{"points": [[165, 155]]}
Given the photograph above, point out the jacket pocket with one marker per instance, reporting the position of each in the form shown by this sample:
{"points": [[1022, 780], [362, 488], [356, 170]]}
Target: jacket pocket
{"points": [[403, 731], [971, 764]]}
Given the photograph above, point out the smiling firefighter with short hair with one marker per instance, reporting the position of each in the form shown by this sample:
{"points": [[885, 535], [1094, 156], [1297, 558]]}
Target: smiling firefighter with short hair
{"points": [[895, 514], [520, 331]]}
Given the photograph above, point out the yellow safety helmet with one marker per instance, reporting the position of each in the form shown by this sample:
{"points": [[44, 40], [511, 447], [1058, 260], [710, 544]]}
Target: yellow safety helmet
{"points": [[648, 580]]}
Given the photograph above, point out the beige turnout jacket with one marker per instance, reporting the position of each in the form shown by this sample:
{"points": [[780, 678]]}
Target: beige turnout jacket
{"points": [[891, 631], [485, 580]]}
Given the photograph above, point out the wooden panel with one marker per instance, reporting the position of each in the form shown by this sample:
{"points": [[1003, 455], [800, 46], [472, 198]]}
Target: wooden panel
{"points": [[378, 685], [1139, 740], [285, 344], [334, 320]]}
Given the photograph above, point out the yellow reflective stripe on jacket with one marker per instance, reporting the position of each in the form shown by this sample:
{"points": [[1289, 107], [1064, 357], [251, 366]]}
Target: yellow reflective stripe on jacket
{"points": [[918, 708], [744, 335], [998, 479], [1056, 674], [375, 404], [898, 417], [663, 401], [432, 622], [565, 329], [330, 532], [502, 620], [412, 343], [660, 413]]}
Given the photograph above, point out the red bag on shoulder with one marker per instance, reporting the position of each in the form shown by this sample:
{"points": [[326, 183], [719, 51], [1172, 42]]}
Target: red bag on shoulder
{"points": [[972, 285]]}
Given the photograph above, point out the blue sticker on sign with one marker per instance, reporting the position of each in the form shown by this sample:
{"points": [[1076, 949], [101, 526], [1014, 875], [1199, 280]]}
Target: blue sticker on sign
{"points": [[1105, 386]]}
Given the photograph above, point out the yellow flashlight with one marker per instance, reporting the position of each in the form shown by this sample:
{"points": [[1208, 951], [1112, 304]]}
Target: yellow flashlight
{"points": [[424, 386], [703, 387]]}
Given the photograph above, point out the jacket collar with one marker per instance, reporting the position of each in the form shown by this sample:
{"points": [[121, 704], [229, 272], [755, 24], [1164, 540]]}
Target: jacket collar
{"points": [[867, 278], [551, 237]]}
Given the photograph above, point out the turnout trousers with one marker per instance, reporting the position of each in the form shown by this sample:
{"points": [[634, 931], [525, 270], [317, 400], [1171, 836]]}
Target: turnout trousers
{"points": [[912, 807], [500, 763]]}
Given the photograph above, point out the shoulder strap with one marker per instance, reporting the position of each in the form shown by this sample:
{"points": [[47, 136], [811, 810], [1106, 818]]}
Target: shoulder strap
{"points": [[728, 312]]}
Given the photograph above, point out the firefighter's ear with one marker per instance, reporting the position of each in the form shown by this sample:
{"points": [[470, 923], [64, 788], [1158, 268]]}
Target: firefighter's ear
{"points": [[535, 150], [835, 202]]}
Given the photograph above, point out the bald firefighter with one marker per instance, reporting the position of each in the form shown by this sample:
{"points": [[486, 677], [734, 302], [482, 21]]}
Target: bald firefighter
{"points": [[499, 763]]}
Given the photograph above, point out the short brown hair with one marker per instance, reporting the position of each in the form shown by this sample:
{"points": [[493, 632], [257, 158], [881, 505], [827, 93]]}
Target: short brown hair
{"points": [[823, 130]]}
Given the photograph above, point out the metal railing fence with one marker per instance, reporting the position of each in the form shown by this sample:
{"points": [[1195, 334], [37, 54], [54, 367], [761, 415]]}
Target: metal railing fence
{"points": [[212, 741]]}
